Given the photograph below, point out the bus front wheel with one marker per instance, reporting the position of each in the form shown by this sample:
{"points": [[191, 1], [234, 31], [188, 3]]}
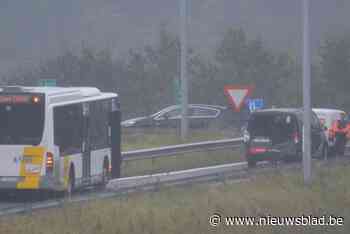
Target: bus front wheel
{"points": [[71, 183]]}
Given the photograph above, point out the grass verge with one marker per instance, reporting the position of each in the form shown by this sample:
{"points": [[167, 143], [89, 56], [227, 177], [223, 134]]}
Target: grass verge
{"points": [[148, 138], [187, 209]]}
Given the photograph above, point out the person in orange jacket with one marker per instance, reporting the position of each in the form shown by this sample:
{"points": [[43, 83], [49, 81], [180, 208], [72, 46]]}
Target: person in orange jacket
{"points": [[340, 131]]}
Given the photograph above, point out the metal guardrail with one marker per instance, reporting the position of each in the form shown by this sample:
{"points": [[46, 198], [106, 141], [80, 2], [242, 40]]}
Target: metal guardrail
{"points": [[181, 149], [183, 176], [175, 176]]}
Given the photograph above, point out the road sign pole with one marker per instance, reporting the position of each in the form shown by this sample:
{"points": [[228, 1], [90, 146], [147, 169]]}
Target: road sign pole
{"points": [[177, 91], [184, 88], [306, 95]]}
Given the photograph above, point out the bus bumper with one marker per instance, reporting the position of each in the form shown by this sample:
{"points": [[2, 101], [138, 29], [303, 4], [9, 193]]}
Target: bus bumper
{"points": [[30, 183]]}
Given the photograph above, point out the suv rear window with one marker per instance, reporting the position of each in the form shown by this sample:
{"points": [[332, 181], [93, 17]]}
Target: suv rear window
{"points": [[278, 127]]}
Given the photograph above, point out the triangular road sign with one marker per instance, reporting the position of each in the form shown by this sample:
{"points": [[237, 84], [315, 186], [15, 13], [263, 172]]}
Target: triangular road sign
{"points": [[237, 95]]}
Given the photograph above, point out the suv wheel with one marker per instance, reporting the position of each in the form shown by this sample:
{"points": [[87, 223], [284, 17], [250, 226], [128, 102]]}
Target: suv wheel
{"points": [[325, 152], [71, 184]]}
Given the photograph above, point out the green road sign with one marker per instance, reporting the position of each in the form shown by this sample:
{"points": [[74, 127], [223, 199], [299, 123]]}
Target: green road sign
{"points": [[47, 82], [177, 91]]}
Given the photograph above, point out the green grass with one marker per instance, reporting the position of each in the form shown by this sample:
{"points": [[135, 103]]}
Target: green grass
{"points": [[187, 209], [141, 139]]}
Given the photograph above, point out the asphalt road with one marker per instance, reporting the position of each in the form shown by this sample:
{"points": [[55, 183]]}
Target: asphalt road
{"points": [[12, 199]]}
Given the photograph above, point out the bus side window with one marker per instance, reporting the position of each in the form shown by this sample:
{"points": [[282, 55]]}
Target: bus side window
{"points": [[68, 128], [99, 113]]}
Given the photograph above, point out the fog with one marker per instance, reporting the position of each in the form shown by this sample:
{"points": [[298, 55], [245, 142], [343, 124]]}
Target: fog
{"points": [[34, 30]]}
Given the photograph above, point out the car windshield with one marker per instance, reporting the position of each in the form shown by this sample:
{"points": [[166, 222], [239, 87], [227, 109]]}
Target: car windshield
{"points": [[21, 124]]}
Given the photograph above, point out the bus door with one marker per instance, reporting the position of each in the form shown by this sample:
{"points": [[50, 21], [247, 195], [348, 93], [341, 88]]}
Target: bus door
{"points": [[115, 138], [86, 146]]}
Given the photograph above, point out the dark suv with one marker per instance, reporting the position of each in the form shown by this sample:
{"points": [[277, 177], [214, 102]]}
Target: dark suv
{"points": [[276, 134]]}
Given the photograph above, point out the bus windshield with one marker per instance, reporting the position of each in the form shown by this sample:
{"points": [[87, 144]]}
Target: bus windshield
{"points": [[21, 123]]}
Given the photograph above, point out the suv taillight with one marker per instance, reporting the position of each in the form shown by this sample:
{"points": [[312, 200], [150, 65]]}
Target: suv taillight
{"points": [[257, 150], [49, 162], [296, 138]]}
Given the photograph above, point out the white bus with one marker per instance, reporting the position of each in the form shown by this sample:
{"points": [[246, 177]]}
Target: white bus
{"points": [[56, 138]]}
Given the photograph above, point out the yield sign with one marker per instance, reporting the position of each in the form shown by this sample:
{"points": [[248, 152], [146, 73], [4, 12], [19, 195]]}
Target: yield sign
{"points": [[237, 95]]}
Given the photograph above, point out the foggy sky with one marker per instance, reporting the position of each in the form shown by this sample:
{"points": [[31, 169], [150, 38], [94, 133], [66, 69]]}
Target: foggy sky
{"points": [[34, 30]]}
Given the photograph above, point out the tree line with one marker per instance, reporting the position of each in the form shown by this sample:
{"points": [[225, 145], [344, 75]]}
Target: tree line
{"points": [[144, 78]]}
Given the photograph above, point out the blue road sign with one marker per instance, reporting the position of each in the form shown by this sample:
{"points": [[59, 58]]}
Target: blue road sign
{"points": [[255, 104]]}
